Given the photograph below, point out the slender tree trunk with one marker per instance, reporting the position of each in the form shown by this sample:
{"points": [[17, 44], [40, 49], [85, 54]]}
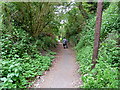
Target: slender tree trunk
{"points": [[97, 32]]}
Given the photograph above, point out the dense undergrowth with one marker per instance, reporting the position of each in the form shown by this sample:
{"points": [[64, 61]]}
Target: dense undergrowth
{"points": [[27, 29], [105, 73], [21, 58], [21, 53]]}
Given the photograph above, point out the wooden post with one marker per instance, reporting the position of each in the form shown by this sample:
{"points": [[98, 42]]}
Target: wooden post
{"points": [[97, 32]]}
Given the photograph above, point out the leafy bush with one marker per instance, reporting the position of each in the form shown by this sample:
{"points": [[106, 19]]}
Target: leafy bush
{"points": [[17, 72], [23, 38], [102, 76], [84, 59], [105, 74], [110, 21], [109, 51], [21, 58]]}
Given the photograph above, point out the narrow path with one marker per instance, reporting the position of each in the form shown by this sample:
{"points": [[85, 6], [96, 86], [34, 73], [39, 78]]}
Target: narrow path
{"points": [[63, 73]]}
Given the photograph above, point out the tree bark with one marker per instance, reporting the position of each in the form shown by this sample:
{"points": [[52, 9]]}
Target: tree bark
{"points": [[97, 32]]}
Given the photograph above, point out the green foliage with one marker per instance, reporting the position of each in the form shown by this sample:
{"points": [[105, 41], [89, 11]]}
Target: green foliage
{"points": [[105, 73], [102, 76], [29, 28], [109, 50], [34, 17], [51, 53], [87, 34], [111, 20], [84, 58], [76, 21], [17, 72], [91, 7], [74, 25], [21, 60], [22, 42]]}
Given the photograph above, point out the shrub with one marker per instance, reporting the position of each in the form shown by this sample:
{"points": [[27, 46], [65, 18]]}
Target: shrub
{"points": [[21, 60], [105, 73]]}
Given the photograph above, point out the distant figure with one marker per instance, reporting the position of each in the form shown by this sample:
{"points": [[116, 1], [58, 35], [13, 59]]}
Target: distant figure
{"points": [[65, 43]]}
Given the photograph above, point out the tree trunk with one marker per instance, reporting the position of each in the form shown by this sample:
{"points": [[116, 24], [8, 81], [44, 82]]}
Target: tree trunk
{"points": [[97, 32]]}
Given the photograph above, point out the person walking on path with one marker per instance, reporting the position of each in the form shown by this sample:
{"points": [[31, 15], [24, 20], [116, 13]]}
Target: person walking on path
{"points": [[65, 43]]}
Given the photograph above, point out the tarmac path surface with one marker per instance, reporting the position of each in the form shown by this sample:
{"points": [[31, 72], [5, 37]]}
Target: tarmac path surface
{"points": [[63, 73]]}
